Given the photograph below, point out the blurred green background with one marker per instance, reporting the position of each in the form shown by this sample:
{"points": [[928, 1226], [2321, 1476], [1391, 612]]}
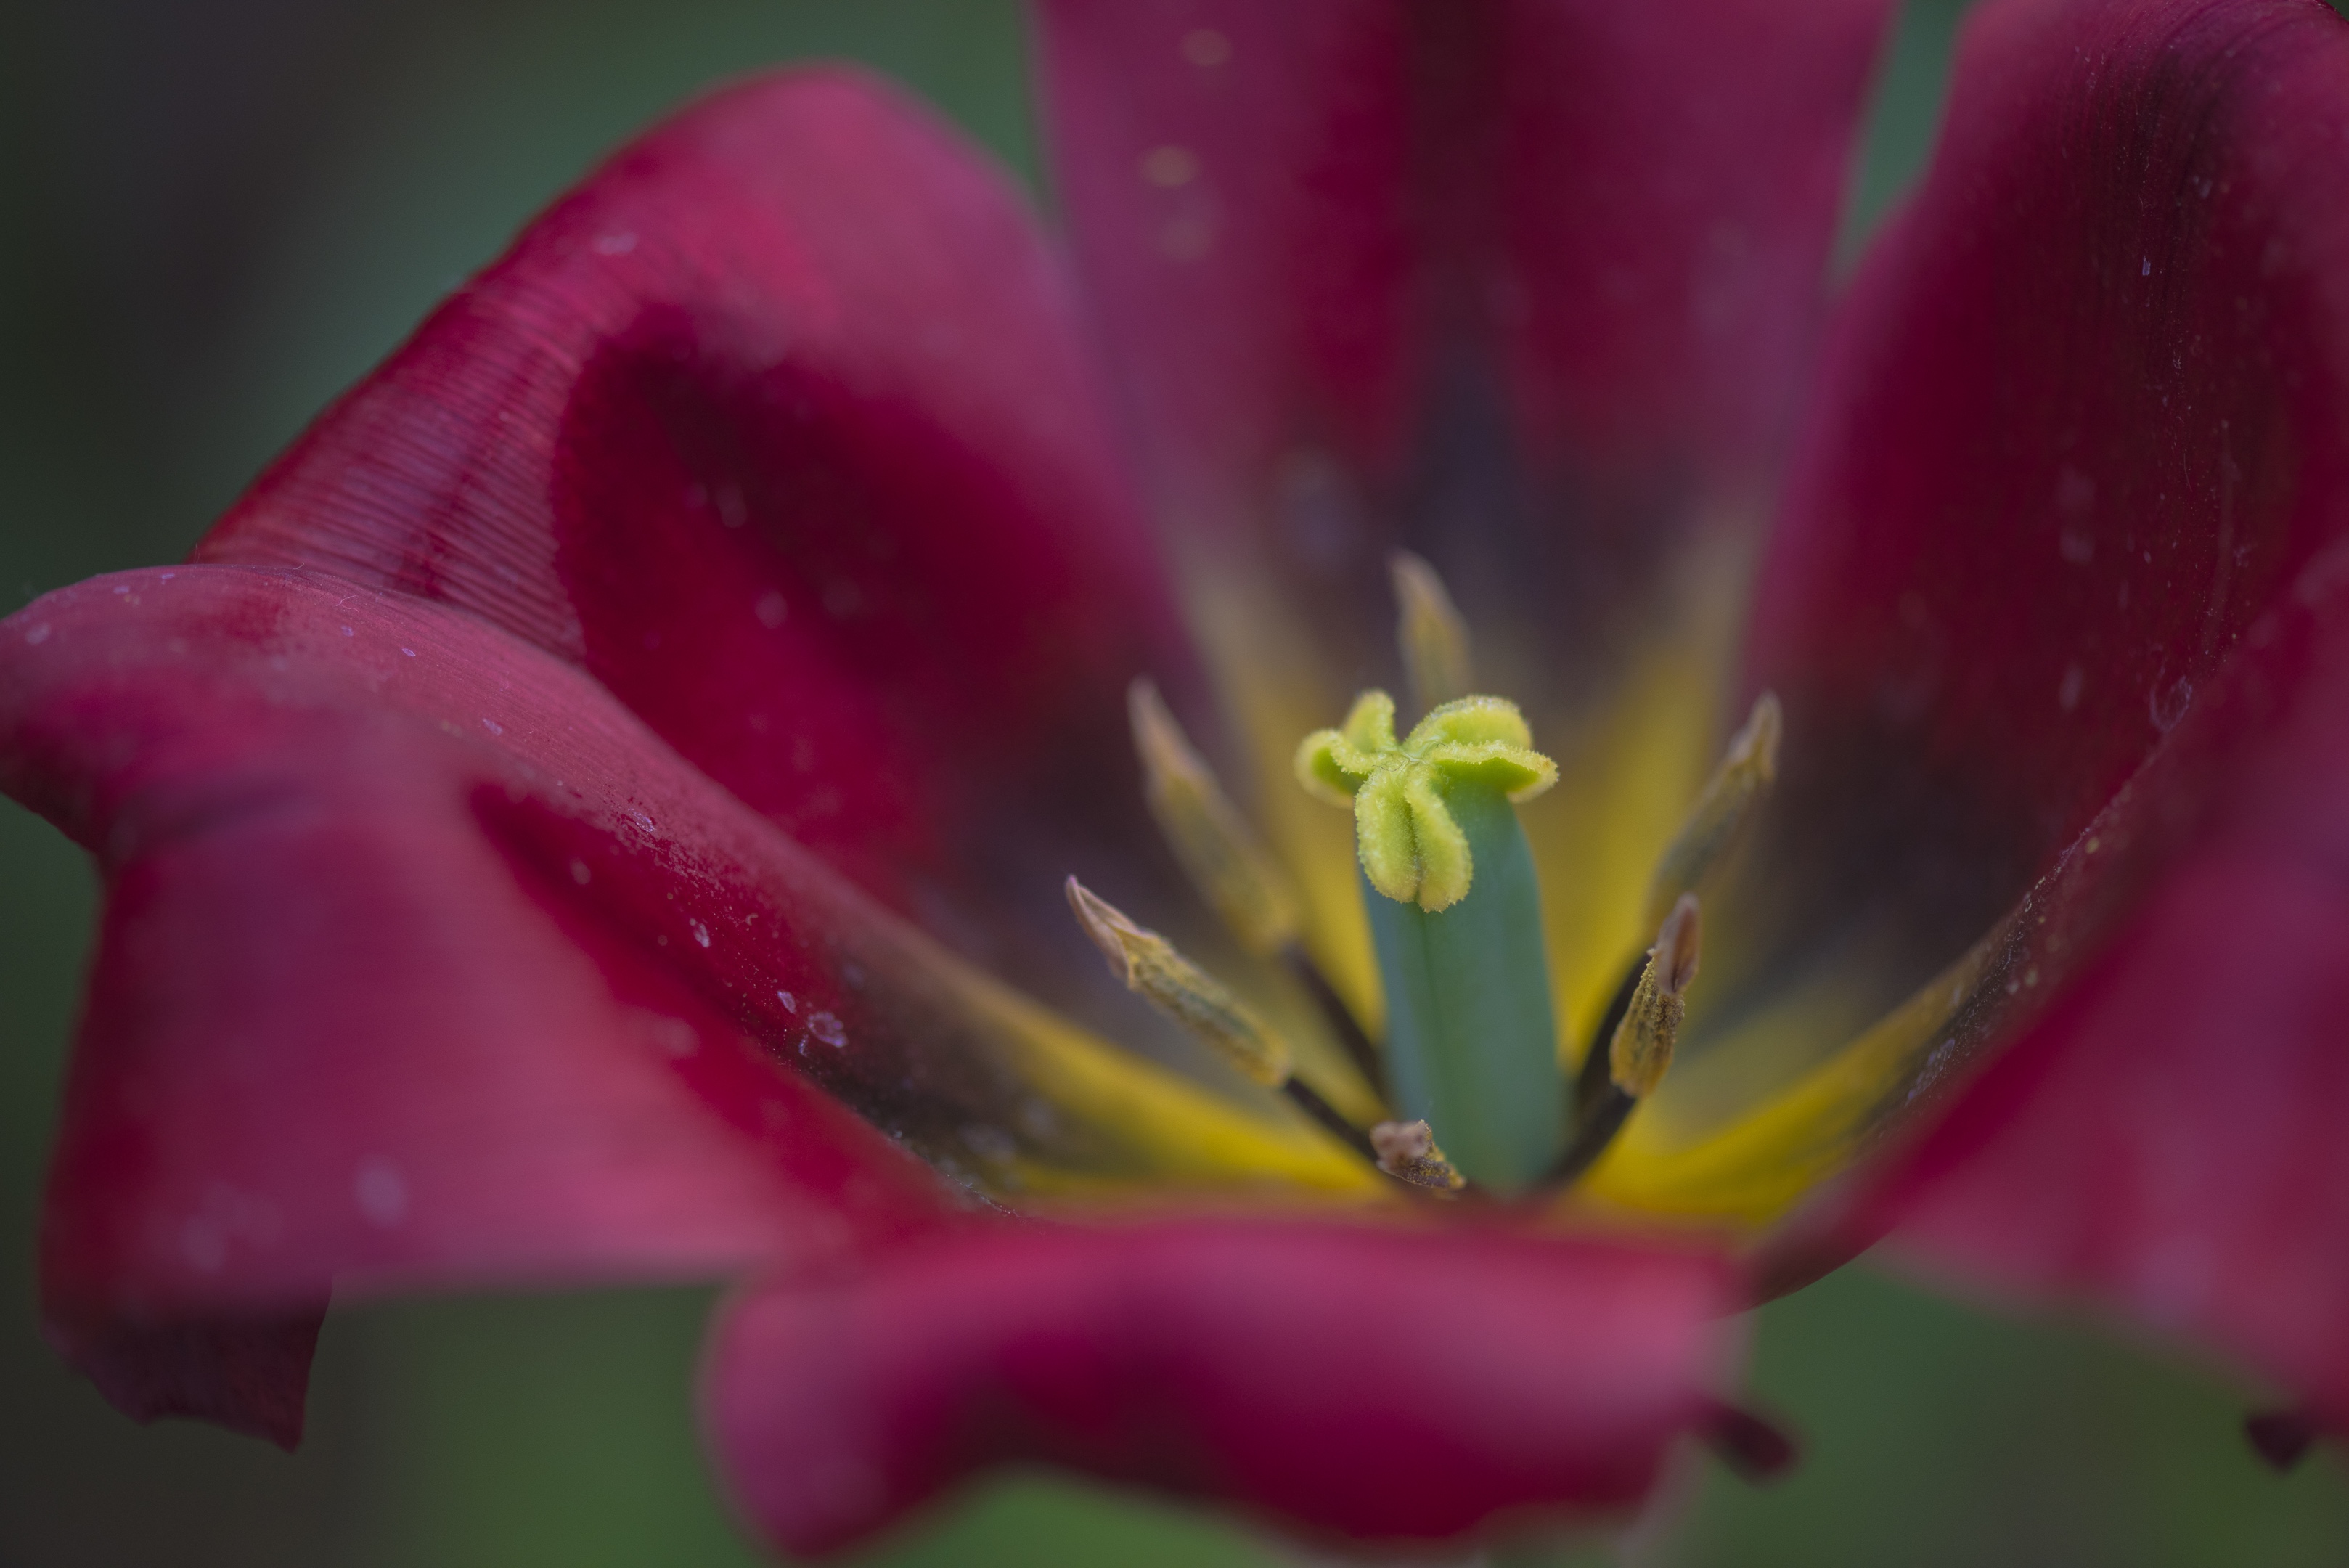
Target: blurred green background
{"points": [[220, 213]]}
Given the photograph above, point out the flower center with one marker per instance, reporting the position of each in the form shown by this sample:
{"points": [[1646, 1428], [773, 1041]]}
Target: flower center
{"points": [[1468, 1060]]}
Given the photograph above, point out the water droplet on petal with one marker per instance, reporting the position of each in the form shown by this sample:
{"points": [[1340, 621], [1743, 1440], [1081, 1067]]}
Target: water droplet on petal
{"points": [[2169, 703], [674, 1036], [1170, 167], [380, 1191], [1205, 48]]}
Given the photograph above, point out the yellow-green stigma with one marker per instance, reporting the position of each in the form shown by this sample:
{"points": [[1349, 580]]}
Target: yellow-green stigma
{"points": [[1412, 845], [1455, 919]]}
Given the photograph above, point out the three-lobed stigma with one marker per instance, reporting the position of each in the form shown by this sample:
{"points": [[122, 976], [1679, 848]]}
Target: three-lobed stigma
{"points": [[1412, 844]]}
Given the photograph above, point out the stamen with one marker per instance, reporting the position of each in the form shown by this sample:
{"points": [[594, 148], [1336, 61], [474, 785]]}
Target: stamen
{"points": [[1232, 871], [1642, 1050], [1187, 995], [1204, 1007], [1407, 1151], [1434, 637], [1717, 822], [1633, 1048]]}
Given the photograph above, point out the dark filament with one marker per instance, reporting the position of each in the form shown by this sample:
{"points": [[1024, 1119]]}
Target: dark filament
{"points": [[1341, 1018], [1601, 1108]]}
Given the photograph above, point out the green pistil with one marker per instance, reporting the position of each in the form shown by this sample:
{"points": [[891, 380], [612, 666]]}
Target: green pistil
{"points": [[1456, 918]]}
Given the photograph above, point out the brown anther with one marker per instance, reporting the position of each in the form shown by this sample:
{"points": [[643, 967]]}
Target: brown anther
{"points": [[1407, 1151], [1642, 1050], [1194, 999], [1232, 869]]}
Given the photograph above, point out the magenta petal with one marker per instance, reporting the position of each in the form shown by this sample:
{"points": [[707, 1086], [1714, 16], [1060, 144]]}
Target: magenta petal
{"points": [[1375, 1383], [779, 426], [2060, 577], [1306, 223], [2081, 427], [421, 963], [2167, 1139]]}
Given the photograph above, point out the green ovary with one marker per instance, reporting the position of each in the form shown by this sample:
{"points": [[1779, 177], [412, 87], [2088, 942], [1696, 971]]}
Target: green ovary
{"points": [[1470, 1043]]}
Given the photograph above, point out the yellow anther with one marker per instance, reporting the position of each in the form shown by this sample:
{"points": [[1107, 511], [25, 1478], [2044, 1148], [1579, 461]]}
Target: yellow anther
{"points": [[1719, 819], [1434, 638], [1232, 871], [1407, 1152], [1641, 1051], [1412, 849], [1194, 999]]}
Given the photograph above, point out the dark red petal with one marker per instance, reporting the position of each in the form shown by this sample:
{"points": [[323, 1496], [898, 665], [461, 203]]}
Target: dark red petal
{"points": [[422, 962], [1375, 1383], [2069, 542], [2168, 1137], [248, 1373], [1357, 255], [779, 426]]}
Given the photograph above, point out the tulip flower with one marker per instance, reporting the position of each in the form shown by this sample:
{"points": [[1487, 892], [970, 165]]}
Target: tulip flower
{"points": [[807, 730]]}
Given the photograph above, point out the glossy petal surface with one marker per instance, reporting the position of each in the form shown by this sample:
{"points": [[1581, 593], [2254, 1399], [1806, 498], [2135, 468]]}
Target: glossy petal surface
{"points": [[425, 963], [356, 1020], [2060, 588], [1376, 1383], [778, 426]]}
